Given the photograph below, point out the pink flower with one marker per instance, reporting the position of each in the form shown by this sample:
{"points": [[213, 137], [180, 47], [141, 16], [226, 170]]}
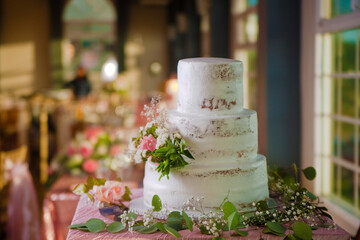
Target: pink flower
{"points": [[90, 165], [103, 194], [86, 150], [71, 150], [114, 150], [148, 143], [92, 133], [118, 189]]}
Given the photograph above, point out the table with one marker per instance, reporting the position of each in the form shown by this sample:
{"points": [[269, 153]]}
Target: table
{"points": [[85, 211]]}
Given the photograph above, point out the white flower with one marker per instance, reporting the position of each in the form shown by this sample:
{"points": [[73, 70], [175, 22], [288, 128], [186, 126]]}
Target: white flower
{"points": [[177, 135], [138, 156]]}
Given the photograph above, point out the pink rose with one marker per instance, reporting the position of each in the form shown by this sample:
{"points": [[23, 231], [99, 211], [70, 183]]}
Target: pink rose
{"points": [[114, 150], [90, 165], [86, 150], [148, 143], [92, 133], [117, 187], [103, 194], [71, 150]]}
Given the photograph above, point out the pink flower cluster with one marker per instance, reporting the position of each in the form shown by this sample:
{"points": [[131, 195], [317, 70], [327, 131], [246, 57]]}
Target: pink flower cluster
{"points": [[148, 143], [111, 192]]}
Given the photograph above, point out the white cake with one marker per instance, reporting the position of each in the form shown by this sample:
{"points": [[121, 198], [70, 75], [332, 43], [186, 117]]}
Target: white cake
{"points": [[220, 134]]}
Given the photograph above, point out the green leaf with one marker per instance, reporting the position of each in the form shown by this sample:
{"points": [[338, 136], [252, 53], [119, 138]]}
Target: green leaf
{"points": [[268, 230], [188, 154], [95, 225], [172, 231], [126, 196], [156, 203], [302, 230], [228, 209], [289, 180], [276, 227], [241, 233], [272, 203], [262, 205], [310, 195], [131, 216], [99, 181], [76, 226], [233, 220], [290, 237], [218, 238], [161, 227], [80, 189], [115, 227], [148, 229], [90, 182], [310, 173], [174, 220], [92, 199], [188, 221]]}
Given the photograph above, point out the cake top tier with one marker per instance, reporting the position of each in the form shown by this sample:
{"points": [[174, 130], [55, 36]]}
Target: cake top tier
{"points": [[210, 86]]}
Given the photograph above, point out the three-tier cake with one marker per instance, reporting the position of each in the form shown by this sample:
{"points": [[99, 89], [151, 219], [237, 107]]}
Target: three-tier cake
{"points": [[221, 135]]}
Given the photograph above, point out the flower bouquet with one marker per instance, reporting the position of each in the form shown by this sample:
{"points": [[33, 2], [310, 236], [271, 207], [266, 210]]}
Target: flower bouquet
{"points": [[90, 151], [158, 143]]}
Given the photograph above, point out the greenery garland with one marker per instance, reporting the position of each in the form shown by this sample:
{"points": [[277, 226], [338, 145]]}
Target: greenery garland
{"points": [[291, 207]]}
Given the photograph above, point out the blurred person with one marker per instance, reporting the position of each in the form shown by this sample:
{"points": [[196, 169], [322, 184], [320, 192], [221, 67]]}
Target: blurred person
{"points": [[80, 85]]}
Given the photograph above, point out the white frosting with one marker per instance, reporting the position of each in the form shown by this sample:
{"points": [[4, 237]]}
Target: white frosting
{"points": [[218, 140], [245, 183], [210, 86]]}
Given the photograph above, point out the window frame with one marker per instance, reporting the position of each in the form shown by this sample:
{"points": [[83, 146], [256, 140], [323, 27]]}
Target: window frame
{"points": [[313, 25]]}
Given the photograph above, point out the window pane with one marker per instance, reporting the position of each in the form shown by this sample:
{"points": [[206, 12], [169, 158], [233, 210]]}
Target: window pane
{"points": [[347, 141], [335, 140], [335, 53], [333, 178], [334, 96], [348, 97], [348, 49], [340, 7], [347, 185]]}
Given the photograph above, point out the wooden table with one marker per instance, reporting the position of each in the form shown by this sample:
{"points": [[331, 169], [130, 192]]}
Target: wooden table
{"points": [[85, 211]]}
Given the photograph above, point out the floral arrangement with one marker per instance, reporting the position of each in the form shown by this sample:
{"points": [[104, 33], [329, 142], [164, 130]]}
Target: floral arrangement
{"points": [[293, 212], [104, 192], [158, 143], [90, 150]]}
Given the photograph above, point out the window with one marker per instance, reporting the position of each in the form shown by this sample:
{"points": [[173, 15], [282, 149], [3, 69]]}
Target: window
{"points": [[244, 45], [335, 119]]}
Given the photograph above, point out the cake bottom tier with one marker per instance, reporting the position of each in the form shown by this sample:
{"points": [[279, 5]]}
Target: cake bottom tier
{"points": [[243, 183]]}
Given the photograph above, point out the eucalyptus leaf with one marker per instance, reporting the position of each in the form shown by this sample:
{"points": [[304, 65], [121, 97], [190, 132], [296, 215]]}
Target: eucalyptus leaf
{"points": [[272, 203], [95, 225], [156, 203], [290, 237], [126, 196], [80, 189], [276, 227], [75, 226], [92, 199], [218, 238], [115, 227], [188, 221], [267, 230], [233, 220], [132, 216], [148, 229], [241, 233], [310, 173], [302, 230], [172, 231], [310, 195], [262, 205], [161, 227], [90, 182], [228, 209]]}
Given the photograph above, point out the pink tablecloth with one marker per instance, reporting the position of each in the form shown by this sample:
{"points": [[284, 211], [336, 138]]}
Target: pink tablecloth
{"points": [[85, 211]]}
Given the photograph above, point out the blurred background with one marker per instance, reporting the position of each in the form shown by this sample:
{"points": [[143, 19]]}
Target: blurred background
{"points": [[75, 74]]}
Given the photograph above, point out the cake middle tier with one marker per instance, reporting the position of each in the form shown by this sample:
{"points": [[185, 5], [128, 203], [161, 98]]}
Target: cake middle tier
{"points": [[217, 140]]}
